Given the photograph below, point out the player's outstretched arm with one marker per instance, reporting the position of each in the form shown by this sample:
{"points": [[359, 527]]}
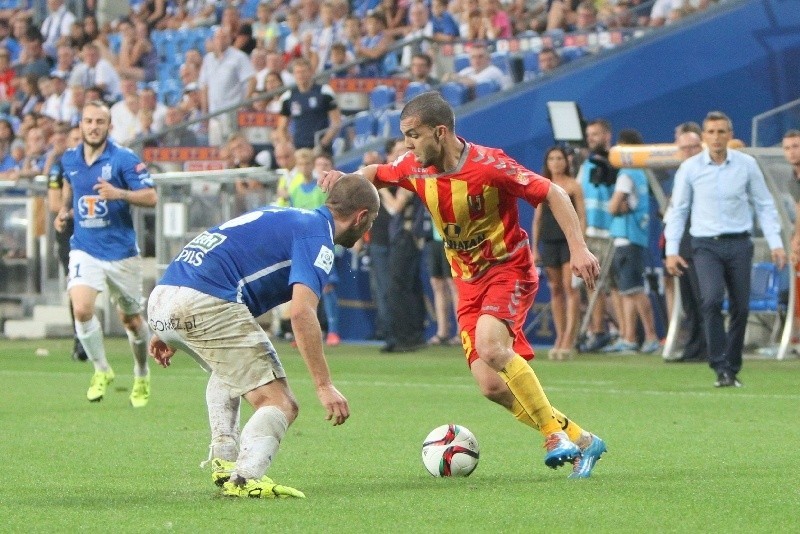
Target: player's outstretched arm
{"points": [[308, 334], [583, 262]]}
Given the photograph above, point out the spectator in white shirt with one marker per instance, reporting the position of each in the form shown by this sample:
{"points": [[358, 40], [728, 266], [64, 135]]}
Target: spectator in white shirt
{"points": [[480, 70], [57, 24], [95, 71], [59, 104]]}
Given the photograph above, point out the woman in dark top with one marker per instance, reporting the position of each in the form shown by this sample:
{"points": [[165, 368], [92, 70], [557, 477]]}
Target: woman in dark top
{"points": [[550, 250]]}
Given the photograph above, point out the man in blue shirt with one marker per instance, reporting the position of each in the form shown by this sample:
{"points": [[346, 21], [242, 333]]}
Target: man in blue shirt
{"points": [[206, 305], [719, 189], [310, 107], [630, 207], [101, 182]]}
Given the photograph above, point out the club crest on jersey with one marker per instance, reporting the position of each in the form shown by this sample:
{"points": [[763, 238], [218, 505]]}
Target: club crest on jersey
{"points": [[106, 172], [477, 205], [324, 259]]}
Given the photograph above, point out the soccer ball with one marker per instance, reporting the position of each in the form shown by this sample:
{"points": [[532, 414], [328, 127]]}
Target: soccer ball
{"points": [[450, 451]]}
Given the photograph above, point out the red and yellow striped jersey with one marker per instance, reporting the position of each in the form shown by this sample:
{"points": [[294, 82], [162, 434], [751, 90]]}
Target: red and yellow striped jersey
{"points": [[474, 207]]}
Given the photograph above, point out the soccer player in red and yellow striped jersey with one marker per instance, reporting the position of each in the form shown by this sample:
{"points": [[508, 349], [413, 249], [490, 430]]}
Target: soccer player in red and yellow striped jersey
{"points": [[471, 192]]}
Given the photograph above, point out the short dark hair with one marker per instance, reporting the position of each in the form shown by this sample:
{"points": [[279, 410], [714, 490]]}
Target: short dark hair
{"points": [[791, 133], [717, 116], [425, 57], [629, 136], [689, 126], [351, 193], [431, 109], [602, 123]]}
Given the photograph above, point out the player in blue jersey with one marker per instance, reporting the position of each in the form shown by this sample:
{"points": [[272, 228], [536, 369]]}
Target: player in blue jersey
{"points": [[206, 305], [102, 180]]}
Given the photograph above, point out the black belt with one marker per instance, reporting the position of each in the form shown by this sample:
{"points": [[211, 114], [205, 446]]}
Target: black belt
{"points": [[738, 235]]}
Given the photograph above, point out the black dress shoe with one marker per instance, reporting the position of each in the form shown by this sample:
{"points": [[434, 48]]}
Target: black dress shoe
{"points": [[725, 380]]}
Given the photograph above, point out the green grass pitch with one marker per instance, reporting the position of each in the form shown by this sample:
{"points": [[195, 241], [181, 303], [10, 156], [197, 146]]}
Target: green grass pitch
{"points": [[683, 457]]}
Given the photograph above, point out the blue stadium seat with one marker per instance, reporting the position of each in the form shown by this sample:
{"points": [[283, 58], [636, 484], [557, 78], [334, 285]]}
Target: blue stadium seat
{"points": [[530, 60], [381, 98], [198, 39], [415, 88], [571, 53], [170, 91], [485, 88], [363, 128], [115, 42], [766, 285], [454, 93], [247, 9], [460, 62], [389, 124], [500, 60]]}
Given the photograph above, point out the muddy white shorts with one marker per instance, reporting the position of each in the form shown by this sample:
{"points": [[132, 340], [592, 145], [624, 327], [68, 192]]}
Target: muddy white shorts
{"points": [[222, 336]]}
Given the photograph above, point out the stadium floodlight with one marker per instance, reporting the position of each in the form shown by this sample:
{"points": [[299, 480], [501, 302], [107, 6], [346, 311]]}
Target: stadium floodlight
{"points": [[567, 122]]}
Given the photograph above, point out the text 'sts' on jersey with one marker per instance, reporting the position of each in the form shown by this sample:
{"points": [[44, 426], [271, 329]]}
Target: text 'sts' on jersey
{"points": [[474, 207], [104, 228], [255, 259]]}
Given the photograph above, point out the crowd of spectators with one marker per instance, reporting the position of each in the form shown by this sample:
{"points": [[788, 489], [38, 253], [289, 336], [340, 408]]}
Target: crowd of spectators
{"points": [[54, 58]]}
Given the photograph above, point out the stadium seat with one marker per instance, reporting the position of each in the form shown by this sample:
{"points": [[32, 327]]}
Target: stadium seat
{"points": [[415, 88], [460, 62], [530, 61], [454, 93], [571, 53], [381, 98], [485, 88], [169, 91], [247, 9], [766, 285], [500, 60], [115, 42], [363, 128], [389, 124]]}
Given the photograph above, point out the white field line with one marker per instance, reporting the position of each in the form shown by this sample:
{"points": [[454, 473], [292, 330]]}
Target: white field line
{"points": [[561, 386]]}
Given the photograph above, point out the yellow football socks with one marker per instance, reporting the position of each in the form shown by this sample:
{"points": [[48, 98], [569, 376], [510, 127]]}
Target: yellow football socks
{"points": [[528, 392], [574, 432]]}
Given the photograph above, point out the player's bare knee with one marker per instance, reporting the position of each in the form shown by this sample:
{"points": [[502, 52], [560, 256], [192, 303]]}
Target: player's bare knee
{"points": [[83, 312], [494, 354]]}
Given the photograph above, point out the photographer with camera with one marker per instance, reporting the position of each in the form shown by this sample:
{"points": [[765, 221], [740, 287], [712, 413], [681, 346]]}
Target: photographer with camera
{"points": [[597, 177]]}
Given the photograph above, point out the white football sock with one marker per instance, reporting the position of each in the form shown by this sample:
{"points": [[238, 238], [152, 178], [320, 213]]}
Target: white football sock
{"points": [[261, 437], [90, 335], [223, 419], [138, 341]]}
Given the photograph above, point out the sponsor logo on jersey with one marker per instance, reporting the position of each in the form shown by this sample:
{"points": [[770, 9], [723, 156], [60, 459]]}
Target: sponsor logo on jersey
{"points": [[195, 252], [466, 244], [92, 210], [324, 259]]}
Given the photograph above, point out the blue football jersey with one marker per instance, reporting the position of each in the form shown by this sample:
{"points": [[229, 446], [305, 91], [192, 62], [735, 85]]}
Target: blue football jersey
{"points": [[104, 228], [255, 259]]}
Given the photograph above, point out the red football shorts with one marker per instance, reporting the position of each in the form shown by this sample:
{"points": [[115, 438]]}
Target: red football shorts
{"points": [[505, 291]]}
